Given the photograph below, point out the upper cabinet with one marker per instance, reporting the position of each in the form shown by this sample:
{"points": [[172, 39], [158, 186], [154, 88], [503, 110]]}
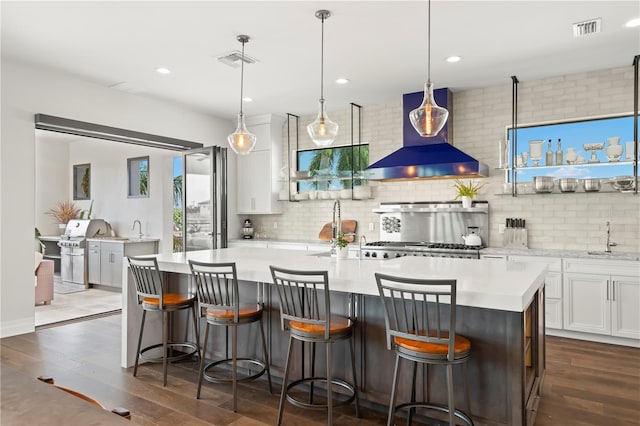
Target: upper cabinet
{"points": [[257, 172]]}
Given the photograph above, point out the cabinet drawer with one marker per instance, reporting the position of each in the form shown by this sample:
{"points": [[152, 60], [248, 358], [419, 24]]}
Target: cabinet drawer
{"points": [[603, 267], [554, 264], [94, 245], [113, 247]]}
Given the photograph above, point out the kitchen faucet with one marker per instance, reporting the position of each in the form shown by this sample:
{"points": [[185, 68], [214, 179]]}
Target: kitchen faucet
{"points": [[362, 237], [336, 225], [139, 227], [609, 242]]}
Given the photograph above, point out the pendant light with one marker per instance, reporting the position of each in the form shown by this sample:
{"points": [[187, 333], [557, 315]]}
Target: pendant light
{"points": [[322, 131], [429, 118], [242, 141]]}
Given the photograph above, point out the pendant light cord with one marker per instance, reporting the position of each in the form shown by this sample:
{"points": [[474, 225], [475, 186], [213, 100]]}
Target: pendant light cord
{"points": [[242, 75], [429, 42], [322, 60]]}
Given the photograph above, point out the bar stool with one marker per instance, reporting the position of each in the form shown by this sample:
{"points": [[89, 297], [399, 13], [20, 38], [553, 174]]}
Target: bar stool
{"points": [[305, 305], [218, 295], [152, 296], [420, 326]]}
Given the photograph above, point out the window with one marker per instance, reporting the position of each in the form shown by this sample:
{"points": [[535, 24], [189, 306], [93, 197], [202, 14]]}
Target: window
{"points": [[138, 171], [82, 181], [332, 168]]}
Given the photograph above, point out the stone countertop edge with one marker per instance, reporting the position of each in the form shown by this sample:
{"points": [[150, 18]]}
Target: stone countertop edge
{"points": [[125, 240], [516, 251], [574, 254], [505, 286]]}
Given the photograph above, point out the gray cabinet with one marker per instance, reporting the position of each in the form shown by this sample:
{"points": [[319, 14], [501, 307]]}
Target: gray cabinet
{"points": [[106, 258], [94, 262]]}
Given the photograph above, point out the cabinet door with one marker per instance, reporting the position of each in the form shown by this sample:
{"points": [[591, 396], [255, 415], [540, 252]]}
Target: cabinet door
{"points": [[94, 263], [111, 264], [254, 183], [586, 305], [625, 315], [553, 313]]}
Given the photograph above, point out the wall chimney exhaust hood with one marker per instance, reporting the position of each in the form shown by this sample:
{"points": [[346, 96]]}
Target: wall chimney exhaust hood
{"points": [[426, 158]]}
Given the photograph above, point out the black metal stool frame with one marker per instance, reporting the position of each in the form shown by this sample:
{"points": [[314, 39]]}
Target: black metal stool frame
{"points": [[149, 285], [299, 294], [407, 304], [217, 288]]}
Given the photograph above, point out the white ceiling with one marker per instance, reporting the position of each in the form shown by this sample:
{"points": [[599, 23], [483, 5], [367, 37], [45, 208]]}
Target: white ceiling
{"points": [[379, 45]]}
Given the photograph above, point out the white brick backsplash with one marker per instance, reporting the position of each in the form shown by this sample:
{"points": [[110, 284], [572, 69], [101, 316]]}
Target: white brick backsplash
{"points": [[480, 117]]}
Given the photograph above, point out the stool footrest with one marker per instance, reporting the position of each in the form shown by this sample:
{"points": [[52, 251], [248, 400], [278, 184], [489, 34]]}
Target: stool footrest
{"points": [[338, 382], [242, 363], [440, 408], [191, 347]]}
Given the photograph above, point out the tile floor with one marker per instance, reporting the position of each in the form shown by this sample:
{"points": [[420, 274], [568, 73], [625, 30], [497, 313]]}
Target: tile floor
{"points": [[65, 307]]}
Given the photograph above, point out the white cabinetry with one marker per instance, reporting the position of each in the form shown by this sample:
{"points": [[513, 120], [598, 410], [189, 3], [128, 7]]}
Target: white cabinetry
{"points": [[106, 258], [258, 172], [553, 288], [602, 297]]}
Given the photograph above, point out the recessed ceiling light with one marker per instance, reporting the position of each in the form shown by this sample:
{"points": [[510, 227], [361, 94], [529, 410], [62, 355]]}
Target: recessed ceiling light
{"points": [[163, 70], [342, 80], [453, 59], [247, 99], [633, 23]]}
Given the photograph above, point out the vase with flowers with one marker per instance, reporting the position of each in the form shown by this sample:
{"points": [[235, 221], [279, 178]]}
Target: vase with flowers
{"points": [[63, 212], [341, 246], [467, 191]]}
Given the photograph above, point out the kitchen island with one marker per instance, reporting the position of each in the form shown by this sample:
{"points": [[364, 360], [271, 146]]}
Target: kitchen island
{"points": [[500, 309]]}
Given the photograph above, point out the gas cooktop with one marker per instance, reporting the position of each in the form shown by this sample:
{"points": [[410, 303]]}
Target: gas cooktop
{"points": [[392, 249]]}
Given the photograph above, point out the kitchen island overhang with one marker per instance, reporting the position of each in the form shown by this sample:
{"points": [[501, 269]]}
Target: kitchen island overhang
{"points": [[500, 304]]}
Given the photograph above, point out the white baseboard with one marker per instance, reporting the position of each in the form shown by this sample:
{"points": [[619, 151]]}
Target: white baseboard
{"points": [[634, 343]]}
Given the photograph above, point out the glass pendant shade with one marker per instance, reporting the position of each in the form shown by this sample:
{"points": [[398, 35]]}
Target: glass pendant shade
{"points": [[322, 131], [242, 141], [429, 118]]}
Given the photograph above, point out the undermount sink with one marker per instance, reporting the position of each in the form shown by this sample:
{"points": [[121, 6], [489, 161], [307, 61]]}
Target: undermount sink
{"points": [[599, 253]]}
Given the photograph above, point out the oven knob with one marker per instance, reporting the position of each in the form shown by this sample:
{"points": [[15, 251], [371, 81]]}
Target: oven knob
{"points": [[374, 254], [366, 254], [386, 255], [398, 254]]}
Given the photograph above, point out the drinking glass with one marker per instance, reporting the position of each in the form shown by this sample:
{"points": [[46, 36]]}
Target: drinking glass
{"points": [[525, 158], [535, 149]]}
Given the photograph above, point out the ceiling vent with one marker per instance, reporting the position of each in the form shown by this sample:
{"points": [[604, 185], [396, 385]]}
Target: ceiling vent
{"points": [[585, 28], [234, 58]]}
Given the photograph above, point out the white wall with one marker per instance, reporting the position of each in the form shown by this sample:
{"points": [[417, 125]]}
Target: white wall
{"points": [[480, 117], [27, 90], [53, 182]]}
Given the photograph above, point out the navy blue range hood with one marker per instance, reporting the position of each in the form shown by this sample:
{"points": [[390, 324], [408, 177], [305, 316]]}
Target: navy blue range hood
{"points": [[426, 158]]}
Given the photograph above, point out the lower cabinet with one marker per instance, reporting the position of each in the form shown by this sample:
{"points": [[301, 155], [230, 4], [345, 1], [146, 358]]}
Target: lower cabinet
{"points": [[601, 300], [553, 288], [106, 258]]}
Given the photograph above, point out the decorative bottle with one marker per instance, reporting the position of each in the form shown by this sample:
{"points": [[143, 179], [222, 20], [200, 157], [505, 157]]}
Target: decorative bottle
{"points": [[549, 155], [559, 154]]}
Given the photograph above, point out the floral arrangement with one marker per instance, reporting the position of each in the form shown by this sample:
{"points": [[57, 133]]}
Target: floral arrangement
{"points": [[469, 189], [341, 241], [64, 211]]}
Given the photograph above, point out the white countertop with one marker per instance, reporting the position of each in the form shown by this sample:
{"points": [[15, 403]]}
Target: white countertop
{"points": [[507, 286], [574, 254], [124, 240]]}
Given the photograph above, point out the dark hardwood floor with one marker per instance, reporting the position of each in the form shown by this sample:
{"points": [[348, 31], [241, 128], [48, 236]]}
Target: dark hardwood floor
{"points": [[586, 383]]}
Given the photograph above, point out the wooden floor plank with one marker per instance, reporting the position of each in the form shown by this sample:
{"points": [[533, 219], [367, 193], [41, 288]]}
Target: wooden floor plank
{"points": [[586, 383]]}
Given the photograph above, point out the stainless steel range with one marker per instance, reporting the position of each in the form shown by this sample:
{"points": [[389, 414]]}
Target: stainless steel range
{"points": [[73, 246], [433, 229]]}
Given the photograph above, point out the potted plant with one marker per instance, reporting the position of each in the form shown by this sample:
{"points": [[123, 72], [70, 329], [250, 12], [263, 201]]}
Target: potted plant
{"points": [[63, 212], [341, 246], [467, 191]]}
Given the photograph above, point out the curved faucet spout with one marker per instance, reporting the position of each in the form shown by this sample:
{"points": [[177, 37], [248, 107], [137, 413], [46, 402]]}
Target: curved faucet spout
{"points": [[139, 228]]}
